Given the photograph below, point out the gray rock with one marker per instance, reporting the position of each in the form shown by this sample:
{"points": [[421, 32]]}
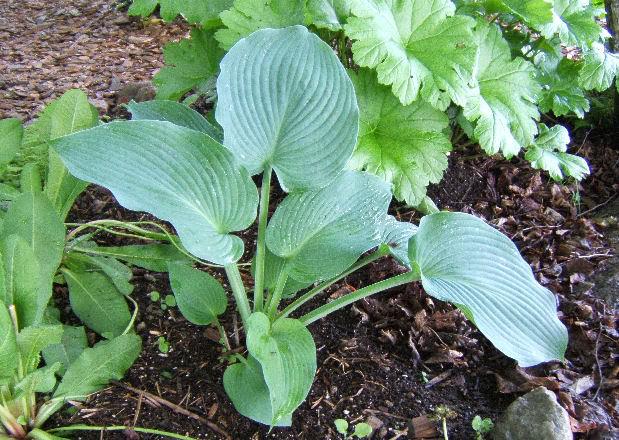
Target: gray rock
{"points": [[534, 416]]}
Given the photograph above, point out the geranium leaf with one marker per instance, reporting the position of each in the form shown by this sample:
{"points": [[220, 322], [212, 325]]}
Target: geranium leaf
{"points": [[574, 22], [533, 12], [403, 145], [321, 233], [175, 173], [194, 11], [247, 16], [599, 69], [417, 46], [504, 110], [328, 14], [283, 97], [463, 260], [548, 153], [561, 92]]}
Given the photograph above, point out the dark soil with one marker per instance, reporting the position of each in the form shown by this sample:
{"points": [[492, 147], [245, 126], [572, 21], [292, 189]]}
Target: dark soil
{"points": [[385, 360]]}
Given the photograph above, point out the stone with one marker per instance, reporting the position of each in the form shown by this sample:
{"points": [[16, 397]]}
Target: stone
{"points": [[534, 416]]}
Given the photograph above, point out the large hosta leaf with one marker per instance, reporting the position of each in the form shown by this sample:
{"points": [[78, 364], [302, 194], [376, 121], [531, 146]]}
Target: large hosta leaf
{"points": [[463, 260], [175, 173], [417, 46], [321, 233], [285, 101], [403, 145], [504, 110]]}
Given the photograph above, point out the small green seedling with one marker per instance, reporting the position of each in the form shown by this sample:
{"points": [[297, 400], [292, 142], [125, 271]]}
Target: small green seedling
{"points": [[443, 413], [166, 301], [362, 430], [481, 427], [424, 377], [163, 345], [154, 296]]}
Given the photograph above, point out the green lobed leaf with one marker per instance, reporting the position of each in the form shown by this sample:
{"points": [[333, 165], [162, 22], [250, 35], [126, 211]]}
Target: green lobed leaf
{"points": [[321, 233], [188, 63], [535, 13], [22, 279], [419, 47], [96, 302], [176, 113], [199, 296], [396, 236], [463, 260], [328, 14], [287, 354], [600, 68], [561, 92], [8, 345], [31, 340], [73, 342], [548, 152], [61, 187], [245, 385], [403, 145], [283, 97], [504, 111], [247, 16], [95, 367], [11, 133], [194, 11], [575, 23], [175, 173]]}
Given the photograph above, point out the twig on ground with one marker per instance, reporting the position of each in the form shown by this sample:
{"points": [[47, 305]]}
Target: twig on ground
{"points": [[597, 206], [597, 362]]}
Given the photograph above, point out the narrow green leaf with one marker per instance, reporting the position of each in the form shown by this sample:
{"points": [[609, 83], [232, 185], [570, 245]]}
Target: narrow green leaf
{"points": [[463, 260], [199, 296], [176, 113], [175, 173], [73, 342], [153, 257], [321, 233], [276, 110], [8, 345], [287, 354], [30, 178], [11, 133], [61, 187], [95, 367], [116, 271], [32, 340], [97, 302]]}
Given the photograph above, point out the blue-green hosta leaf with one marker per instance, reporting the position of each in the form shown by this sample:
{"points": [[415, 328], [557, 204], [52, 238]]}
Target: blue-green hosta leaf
{"points": [[403, 145], [199, 296], [535, 13], [175, 173], [328, 14], [194, 11], [97, 302], [463, 260], [272, 267], [189, 62], [504, 110], [31, 340], [8, 345], [176, 113], [321, 233], [96, 366], [247, 16], [22, 279], [599, 69], [396, 236], [11, 133], [245, 385], [287, 354], [286, 101], [561, 92], [73, 342], [548, 153], [417, 46], [575, 23]]}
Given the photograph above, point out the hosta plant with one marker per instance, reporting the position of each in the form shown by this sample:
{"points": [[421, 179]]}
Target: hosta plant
{"points": [[288, 108], [427, 74]]}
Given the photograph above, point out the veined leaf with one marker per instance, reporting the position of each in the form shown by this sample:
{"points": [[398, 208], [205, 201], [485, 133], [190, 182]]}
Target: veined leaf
{"points": [[504, 111], [188, 63], [417, 46], [31, 340], [599, 69], [463, 260], [199, 296], [328, 14], [177, 174], [287, 354], [61, 187], [273, 265], [321, 233], [176, 113], [561, 92], [396, 236], [11, 133], [533, 12], [403, 145], [8, 345], [285, 101], [95, 367], [73, 342], [41, 380], [117, 272], [574, 22], [97, 302], [244, 384], [247, 16], [194, 11], [548, 153]]}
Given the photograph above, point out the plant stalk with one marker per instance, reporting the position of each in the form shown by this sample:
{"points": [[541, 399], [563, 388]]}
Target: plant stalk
{"points": [[119, 428], [238, 291], [265, 192], [277, 293], [339, 303]]}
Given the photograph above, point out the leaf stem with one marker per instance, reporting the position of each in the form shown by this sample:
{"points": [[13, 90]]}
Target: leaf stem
{"points": [[380, 252], [118, 428], [277, 292], [265, 191], [339, 303], [238, 290]]}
